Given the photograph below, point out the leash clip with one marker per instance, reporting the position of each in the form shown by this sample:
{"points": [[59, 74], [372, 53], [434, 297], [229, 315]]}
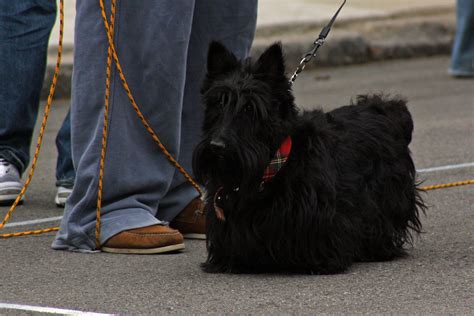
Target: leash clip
{"points": [[316, 45]]}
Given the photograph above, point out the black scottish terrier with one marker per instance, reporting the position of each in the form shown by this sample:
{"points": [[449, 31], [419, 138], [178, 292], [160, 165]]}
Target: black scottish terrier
{"points": [[308, 193]]}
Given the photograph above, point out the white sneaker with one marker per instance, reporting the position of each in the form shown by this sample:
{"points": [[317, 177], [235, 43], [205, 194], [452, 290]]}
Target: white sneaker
{"points": [[61, 196], [10, 183]]}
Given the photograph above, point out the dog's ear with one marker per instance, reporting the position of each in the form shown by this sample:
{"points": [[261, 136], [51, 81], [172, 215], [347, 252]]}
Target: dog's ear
{"points": [[220, 60], [271, 62]]}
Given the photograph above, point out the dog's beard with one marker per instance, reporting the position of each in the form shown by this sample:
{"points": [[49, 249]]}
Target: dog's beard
{"points": [[238, 165]]}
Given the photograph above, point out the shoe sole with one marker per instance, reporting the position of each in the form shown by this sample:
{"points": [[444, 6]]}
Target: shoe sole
{"points": [[195, 236], [460, 74], [60, 202], [7, 200], [148, 251]]}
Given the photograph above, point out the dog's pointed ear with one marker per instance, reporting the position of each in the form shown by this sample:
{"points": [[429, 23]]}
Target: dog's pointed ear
{"points": [[220, 60], [271, 62]]}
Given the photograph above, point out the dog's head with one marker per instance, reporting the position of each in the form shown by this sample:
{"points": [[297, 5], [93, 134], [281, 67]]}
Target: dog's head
{"points": [[249, 108]]}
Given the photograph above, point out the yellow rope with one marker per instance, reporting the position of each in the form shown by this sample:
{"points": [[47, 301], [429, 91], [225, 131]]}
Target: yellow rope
{"points": [[40, 137], [104, 129], [446, 185], [30, 232], [137, 109], [111, 53]]}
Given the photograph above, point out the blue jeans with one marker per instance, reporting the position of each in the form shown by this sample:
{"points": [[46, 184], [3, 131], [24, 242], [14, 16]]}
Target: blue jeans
{"points": [[25, 27], [462, 60]]}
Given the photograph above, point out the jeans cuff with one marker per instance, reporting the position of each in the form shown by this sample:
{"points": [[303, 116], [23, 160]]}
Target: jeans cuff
{"points": [[461, 72], [67, 183]]}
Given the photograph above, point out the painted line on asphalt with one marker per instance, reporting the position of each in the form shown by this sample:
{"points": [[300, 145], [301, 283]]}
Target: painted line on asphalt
{"points": [[448, 167], [34, 221], [425, 170], [47, 310]]}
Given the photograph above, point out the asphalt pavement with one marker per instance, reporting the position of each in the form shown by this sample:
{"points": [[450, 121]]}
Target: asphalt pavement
{"points": [[437, 278]]}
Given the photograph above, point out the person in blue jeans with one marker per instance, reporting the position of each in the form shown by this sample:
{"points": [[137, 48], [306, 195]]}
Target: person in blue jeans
{"points": [[147, 205], [25, 27], [462, 58]]}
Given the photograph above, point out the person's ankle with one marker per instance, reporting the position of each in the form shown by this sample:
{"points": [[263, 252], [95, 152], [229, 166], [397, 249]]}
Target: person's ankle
{"points": [[191, 221]]}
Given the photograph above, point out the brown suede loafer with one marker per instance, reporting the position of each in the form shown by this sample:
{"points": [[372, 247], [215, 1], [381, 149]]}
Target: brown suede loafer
{"points": [[191, 222], [145, 240]]}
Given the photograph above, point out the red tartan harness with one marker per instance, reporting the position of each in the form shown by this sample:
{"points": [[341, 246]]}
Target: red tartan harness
{"points": [[278, 161]]}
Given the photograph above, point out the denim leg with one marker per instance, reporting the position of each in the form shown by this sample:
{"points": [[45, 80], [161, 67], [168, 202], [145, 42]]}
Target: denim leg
{"points": [[232, 23], [25, 27], [462, 60], [65, 173], [152, 41]]}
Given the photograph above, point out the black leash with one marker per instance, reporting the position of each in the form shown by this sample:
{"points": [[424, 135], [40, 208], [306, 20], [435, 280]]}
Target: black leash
{"points": [[316, 45]]}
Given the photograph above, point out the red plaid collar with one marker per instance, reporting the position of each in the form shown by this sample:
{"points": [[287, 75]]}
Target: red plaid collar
{"points": [[278, 161]]}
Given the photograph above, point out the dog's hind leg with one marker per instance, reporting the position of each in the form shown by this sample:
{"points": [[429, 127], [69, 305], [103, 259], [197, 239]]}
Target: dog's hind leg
{"points": [[393, 220]]}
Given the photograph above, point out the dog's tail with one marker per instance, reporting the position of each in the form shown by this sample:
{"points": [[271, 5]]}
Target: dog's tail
{"points": [[393, 107]]}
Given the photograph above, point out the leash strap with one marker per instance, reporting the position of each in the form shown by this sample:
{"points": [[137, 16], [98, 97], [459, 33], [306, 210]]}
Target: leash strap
{"points": [[316, 45]]}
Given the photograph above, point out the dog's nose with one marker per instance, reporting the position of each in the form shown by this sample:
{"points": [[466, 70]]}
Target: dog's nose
{"points": [[218, 143]]}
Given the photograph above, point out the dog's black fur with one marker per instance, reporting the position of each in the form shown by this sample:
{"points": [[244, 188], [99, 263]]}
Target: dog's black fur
{"points": [[347, 193]]}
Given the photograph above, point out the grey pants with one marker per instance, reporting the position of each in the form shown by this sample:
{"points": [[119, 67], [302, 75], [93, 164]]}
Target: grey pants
{"points": [[162, 46]]}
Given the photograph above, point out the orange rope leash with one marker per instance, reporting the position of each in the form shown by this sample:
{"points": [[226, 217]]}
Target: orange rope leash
{"points": [[30, 232], [137, 109], [111, 53], [446, 185], [40, 137], [104, 129]]}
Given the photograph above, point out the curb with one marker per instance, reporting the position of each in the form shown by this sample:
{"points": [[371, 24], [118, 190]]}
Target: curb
{"points": [[368, 41], [344, 21], [354, 42]]}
